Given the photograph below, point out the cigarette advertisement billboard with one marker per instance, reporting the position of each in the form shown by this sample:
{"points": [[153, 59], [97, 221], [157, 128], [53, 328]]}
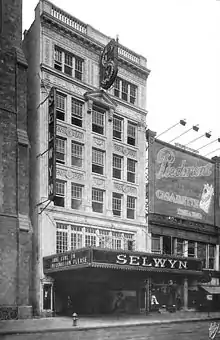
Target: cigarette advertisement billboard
{"points": [[181, 184]]}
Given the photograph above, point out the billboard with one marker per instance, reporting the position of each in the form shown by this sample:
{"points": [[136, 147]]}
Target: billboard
{"points": [[52, 144], [181, 184]]}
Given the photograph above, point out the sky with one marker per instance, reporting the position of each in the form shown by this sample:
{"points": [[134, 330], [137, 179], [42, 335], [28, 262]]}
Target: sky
{"points": [[181, 41]]}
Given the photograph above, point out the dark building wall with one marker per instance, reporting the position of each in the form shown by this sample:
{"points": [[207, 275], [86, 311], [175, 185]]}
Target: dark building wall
{"points": [[15, 231]]}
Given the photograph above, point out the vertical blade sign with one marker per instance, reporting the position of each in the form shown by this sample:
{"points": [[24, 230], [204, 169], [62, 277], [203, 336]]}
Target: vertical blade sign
{"points": [[52, 144], [109, 64]]}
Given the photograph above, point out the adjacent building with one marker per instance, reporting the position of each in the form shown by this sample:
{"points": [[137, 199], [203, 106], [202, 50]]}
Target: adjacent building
{"points": [[183, 220], [98, 210], [15, 227]]}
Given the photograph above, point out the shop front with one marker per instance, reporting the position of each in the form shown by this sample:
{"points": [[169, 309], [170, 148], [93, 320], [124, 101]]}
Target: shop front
{"points": [[100, 281]]}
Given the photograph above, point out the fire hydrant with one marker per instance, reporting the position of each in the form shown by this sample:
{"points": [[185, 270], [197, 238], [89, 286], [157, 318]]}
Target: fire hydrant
{"points": [[75, 319]]}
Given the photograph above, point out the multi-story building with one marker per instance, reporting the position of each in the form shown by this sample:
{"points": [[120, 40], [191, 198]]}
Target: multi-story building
{"points": [[15, 228], [99, 207], [183, 221]]}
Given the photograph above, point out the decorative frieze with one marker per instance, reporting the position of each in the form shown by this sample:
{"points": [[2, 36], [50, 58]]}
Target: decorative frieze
{"points": [[72, 133], [69, 174], [125, 151], [129, 113], [65, 84], [124, 188], [99, 142], [98, 182]]}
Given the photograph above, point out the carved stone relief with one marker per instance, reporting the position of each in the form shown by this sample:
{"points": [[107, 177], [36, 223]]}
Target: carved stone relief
{"points": [[98, 182], [126, 189], [69, 174], [125, 151], [99, 142], [70, 132]]}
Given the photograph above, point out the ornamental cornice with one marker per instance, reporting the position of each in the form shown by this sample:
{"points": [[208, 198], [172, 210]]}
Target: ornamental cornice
{"points": [[91, 43]]}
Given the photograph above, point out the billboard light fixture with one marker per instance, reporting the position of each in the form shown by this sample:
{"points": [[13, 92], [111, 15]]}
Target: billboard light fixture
{"points": [[181, 122], [196, 128], [215, 140], [208, 134]]}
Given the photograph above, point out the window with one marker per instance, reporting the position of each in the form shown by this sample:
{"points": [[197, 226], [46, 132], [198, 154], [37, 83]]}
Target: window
{"points": [[131, 133], [125, 90], [131, 207], [117, 166], [116, 240], [76, 154], [131, 166], [60, 193], [167, 244], [97, 161], [60, 150], [68, 63], [117, 128], [76, 237], [76, 196], [117, 88], [191, 249], [179, 249], [97, 200], [156, 244], [116, 204], [201, 253], [132, 93], [61, 238], [76, 112], [124, 94], [58, 59], [104, 239], [78, 68], [90, 237], [128, 242], [211, 256], [60, 106], [98, 122]]}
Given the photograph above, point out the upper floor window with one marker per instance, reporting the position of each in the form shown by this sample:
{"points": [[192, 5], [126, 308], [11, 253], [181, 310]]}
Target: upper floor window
{"points": [[76, 112], [104, 238], [125, 90], [60, 150], [131, 133], [117, 128], [179, 247], [128, 241], [97, 161], [76, 237], [98, 121], [90, 237], [76, 195], [60, 106], [191, 249], [211, 256], [97, 200], [201, 253], [77, 154], [156, 244], [131, 167], [61, 238], [116, 204], [117, 166], [117, 240], [131, 207], [68, 63], [59, 199]]}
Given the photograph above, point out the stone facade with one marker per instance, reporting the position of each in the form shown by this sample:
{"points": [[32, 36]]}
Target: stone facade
{"points": [[15, 233], [53, 27]]}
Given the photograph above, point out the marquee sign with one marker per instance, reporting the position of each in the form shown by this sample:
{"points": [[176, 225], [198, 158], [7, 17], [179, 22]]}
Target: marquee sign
{"points": [[109, 64], [52, 144], [181, 183], [119, 259]]}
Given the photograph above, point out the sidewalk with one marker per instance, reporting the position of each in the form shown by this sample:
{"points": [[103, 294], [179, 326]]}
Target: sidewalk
{"points": [[57, 324]]}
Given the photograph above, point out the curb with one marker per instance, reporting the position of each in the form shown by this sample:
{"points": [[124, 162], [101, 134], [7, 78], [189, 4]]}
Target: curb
{"points": [[86, 328]]}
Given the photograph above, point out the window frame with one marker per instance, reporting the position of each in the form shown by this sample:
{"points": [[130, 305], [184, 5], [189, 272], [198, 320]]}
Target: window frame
{"points": [[76, 195], [98, 167], [78, 157], [117, 201], [98, 121], [131, 207], [76, 117], [59, 199], [97, 200], [132, 137], [59, 153], [61, 109], [131, 175], [117, 166], [117, 130]]}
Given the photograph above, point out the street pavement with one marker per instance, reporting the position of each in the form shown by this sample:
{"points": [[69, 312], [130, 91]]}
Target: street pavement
{"points": [[184, 325]]}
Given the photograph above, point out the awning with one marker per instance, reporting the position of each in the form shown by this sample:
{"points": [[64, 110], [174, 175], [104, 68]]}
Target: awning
{"points": [[211, 289]]}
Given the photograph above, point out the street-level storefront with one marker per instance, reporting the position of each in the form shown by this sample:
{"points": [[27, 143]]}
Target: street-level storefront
{"points": [[100, 281]]}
